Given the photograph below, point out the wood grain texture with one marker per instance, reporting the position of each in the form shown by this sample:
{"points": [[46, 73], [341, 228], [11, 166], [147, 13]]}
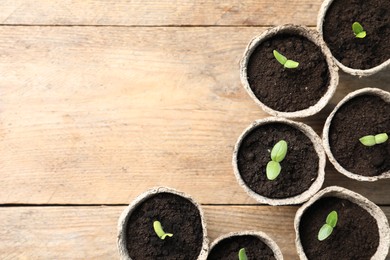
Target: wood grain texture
{"points": [[100, 100], [90, 232], [159, 12], [98, 115]]}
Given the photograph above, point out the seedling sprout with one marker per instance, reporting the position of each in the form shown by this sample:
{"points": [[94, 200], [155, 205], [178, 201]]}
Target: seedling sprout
{"points": [[278, 153], [358, 30], [289, 64], [371, 140], [159, 230], [327, 229], [242, 254]]}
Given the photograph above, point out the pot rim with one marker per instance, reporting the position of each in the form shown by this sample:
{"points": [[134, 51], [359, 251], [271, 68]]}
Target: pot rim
{"points": [[123, 219], [325, 134], [312, 36], [314, 138], [355, 72], [370, 207], [261, 235]]}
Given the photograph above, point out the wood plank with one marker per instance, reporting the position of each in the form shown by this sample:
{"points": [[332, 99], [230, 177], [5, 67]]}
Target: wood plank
{"points": [[58, 232], [97, 115], [154, 12], [90, 232]]}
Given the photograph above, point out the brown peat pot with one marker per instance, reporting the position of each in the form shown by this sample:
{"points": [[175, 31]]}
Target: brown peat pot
{"points": [[362, 57], [362, 112], [290, 93], [302, 170], [257, 246], [362, 230], [178, 213]]}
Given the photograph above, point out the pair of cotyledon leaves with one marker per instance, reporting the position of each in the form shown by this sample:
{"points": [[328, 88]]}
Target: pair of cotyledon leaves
{"points": [[371, 140], [278, 153], [158, 229], [327, 229]]}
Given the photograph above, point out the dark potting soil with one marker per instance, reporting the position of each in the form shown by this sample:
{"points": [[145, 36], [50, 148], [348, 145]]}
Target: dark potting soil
{"points": [[228, 249], [354, 237], [374, 16], [361, 116], [177, 216], [283, 89], [299, 167]]}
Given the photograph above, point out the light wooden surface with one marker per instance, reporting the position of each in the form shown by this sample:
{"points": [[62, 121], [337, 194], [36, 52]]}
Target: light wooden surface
{"points": [[130, 99], [158, 12]]}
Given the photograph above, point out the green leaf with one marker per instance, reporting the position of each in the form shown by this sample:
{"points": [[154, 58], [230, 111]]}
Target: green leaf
{"points": [[358, 30], [381, 138], [368, 140], [159, 230], [279, 57], [290, 64], [166, 235], [324, 232], [273, 170], [279, 151], [361, 35], [332, 218], [242, 254], [357, 27]]}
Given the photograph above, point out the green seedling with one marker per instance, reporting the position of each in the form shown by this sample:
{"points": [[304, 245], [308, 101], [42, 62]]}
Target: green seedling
{"points": [[278, 153], [327, 229], [242, 254], [159, 230], [371, 140], [289, 64], [358, 30]]}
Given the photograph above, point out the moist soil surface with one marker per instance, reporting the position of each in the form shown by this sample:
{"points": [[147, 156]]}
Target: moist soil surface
{"points": [[354, 237], [177, 216], [283, 89], [361, 116], [228, 249], [299, 167], [374, 16]]}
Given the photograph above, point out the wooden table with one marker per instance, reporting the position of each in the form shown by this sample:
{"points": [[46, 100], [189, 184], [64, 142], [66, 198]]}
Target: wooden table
{"points": [[101, 100]]}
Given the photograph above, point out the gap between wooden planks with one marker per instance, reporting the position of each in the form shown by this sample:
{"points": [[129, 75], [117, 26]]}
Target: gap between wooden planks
{"points": [[90, 232], [98, 115], [160, 13]]}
